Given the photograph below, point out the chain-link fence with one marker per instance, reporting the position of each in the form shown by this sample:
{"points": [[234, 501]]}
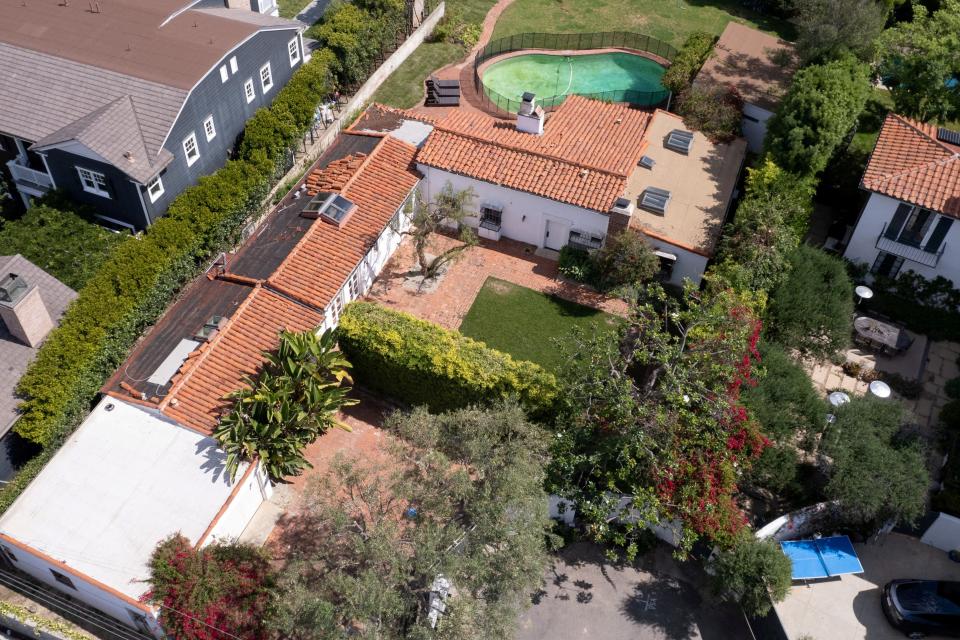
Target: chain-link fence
{"points": [[572, 42]]}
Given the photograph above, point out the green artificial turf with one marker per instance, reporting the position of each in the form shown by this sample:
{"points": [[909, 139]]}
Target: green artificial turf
{"points": [[529, 325]]}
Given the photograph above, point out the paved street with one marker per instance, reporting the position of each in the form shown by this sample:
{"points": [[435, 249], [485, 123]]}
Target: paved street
{"points": [[658, 599]]}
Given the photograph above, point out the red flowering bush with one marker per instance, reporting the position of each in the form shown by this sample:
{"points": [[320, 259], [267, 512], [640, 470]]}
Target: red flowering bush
{"points": [[221, 587]]}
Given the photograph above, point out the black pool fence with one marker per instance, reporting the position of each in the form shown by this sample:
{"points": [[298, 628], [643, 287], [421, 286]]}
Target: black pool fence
{"points": [[572, 42]]}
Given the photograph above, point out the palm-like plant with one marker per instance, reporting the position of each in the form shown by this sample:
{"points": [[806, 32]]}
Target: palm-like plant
{"points": [[289, 405]]}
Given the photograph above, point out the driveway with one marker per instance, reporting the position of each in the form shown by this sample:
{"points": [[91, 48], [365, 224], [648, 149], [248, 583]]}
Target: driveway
{"points": [[657, 598]]}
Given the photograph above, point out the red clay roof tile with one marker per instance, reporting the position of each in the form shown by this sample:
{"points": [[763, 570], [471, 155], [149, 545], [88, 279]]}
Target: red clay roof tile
{"points": [[910, 164]]}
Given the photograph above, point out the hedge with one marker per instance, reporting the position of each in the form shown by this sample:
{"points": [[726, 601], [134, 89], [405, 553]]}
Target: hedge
{"points": [[686, 64], [421, 363], [134, 286]]}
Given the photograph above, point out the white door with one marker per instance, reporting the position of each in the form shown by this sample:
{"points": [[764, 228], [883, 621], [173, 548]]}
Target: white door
{"points": [[555, 234]]}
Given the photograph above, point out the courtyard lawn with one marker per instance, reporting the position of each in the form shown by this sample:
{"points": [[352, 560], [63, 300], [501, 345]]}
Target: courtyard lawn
{"points": [[525, 323], [668, 20], [290, 8], [404, 88]]}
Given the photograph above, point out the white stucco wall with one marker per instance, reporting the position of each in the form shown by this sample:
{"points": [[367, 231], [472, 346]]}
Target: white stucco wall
{"points": [[754, 125], [241, 508], [879, 211], [689, 265], [524, 214], [944, 533], [102, 599]]}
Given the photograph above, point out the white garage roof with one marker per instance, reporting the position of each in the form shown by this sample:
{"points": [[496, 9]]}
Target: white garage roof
{"points": [[126, 479]]}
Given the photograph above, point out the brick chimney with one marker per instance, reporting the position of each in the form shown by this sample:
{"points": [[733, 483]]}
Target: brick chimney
{"points": [[23, 311]]}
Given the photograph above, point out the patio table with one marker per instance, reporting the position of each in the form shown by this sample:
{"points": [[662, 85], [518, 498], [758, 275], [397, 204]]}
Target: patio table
{"points": [[884, 335]]}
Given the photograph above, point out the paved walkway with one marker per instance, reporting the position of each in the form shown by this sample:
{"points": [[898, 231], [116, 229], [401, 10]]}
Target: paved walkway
{"points": [[312, 12], [447, 300]]}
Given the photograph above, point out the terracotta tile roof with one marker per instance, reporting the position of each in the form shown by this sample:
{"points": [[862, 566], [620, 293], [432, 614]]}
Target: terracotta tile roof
{"points": [[583, 158], [909, 163], [326, 256], [336, 174], [220, 366]]}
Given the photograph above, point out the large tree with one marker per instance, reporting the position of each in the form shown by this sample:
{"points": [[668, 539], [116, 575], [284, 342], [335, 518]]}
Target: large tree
{"points": [[812, 309], [878, 469], [448, 208], [458, 496], [816, 115], [652, 428], [920, 62], [830, 29], [290, 404], [754, 573]]}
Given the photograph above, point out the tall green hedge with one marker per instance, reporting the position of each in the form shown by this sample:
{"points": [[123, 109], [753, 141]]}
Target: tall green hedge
{"points": [[141, 277], [421, 363], [686, 64]]}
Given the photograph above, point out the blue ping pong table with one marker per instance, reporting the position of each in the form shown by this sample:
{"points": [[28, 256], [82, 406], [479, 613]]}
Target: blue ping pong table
{"points": [[822, 557]]}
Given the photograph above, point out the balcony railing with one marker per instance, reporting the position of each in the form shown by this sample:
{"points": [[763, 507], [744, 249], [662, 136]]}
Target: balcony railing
{"points": [[30, 177], [909, 251]]}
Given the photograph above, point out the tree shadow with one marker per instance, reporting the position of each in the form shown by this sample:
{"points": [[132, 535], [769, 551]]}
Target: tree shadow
{"points": [[665, 604]]}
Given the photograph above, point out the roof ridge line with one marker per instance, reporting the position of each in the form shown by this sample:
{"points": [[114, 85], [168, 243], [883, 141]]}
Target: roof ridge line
{"points": [[909, 122], [539, 154], [918, 168]]}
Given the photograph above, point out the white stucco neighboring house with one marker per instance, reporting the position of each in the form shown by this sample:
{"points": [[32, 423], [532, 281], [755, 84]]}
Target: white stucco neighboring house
{"points": [[909, 222], [759, 67], [588, 170]]}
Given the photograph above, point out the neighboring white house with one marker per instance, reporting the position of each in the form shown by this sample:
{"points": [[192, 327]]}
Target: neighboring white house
{"points": [[759, 67], [125, 479], [909, 223], [586, 171]]}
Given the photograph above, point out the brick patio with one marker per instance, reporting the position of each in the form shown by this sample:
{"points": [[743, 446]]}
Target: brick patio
{"points": [[447, 301]]}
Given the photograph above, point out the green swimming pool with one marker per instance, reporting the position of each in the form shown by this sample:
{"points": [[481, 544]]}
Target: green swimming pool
{"points": [[616, 77]]}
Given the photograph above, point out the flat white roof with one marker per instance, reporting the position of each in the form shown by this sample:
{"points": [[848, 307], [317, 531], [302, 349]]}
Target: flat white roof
{"points": [[125, 479]]}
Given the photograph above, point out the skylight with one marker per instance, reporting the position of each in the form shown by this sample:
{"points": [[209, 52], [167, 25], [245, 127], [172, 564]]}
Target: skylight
{"points": [[948, 136], [331, 206], [679, 140], [647, 162], [654, 199]]}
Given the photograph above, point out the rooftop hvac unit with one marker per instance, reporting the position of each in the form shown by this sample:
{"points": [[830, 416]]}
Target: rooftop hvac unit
{"points": [[655, 200], [680, 141]]}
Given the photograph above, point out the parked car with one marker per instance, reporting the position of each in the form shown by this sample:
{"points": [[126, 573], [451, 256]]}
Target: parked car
{"points": [[922, 607]]}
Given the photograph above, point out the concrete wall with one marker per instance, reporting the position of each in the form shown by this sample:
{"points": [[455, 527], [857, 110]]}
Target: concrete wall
{"points": [[524, 215], [878, 212], [86, 591], [755, 126], [241, 509], [944, 533]]}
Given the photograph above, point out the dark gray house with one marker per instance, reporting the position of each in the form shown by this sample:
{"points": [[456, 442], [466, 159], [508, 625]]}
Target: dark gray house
{"points": [[124, 103]]}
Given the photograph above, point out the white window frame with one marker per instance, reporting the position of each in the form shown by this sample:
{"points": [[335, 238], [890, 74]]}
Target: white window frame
{"points": [[192, 138], [233, 64], [209, 128], [88, 178], [224, 74], [266, 86], [249, 91], [293, 50], [155, 183]]}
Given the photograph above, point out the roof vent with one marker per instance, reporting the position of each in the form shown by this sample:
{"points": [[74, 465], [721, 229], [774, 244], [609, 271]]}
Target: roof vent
{"points": [[948, 136], [210, 327], [12, 288], [679, 140], [646, 162], [655, 200], [623, 206], [332, 207]]}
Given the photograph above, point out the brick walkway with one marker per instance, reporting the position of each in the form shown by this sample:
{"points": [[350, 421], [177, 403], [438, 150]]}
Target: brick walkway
{"points": [[448, 301]]}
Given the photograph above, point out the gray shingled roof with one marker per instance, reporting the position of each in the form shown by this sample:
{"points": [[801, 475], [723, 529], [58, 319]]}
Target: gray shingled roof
{"points": [[41, 95], [14, 355]]}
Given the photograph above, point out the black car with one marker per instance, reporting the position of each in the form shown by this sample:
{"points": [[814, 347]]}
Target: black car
{"points": [[922, 607]]}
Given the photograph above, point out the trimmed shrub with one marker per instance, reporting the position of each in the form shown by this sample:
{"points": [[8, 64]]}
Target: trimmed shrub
{"points": [[421, 363], [625, 259], [576, 264], [686, 64], [715, 112]]}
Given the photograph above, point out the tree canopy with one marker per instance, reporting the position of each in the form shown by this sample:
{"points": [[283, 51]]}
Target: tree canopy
{"points": [[459, 496], [920, 60], [831, 29], [879, 472], [812, 309], [814, 118], [753, 573]]}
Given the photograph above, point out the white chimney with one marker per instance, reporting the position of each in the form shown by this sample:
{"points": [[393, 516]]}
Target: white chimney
{"points": [[23, 311], [530, 116]]}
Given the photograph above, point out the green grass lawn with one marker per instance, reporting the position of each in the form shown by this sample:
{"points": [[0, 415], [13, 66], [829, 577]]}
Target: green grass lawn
{"points": [[404, 88], [524, 322], [669, 20], [290, 8]]}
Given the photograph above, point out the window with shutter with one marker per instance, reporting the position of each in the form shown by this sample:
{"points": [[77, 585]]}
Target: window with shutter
{"points": [[938, 235], [893, 229]]}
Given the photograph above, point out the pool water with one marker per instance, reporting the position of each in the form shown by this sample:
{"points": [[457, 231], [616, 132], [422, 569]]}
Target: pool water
{"points": [[620, 77]]}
